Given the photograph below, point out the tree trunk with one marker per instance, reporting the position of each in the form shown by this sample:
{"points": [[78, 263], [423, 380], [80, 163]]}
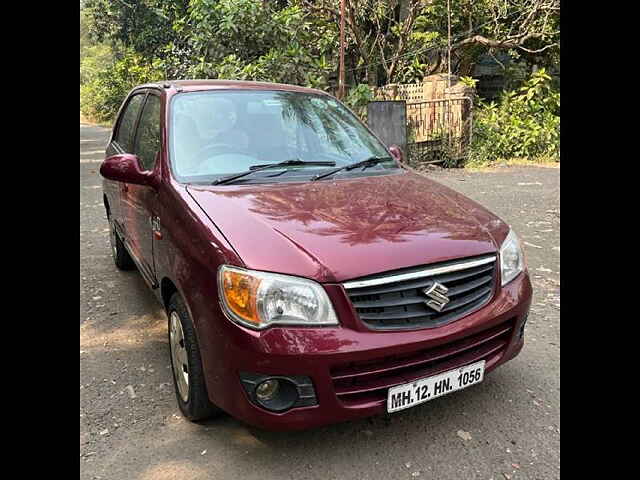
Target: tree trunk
{"points": [[372, 77]]}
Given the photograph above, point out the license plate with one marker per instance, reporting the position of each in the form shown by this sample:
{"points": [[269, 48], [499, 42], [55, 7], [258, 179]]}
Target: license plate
{"points": [[425, 389]]}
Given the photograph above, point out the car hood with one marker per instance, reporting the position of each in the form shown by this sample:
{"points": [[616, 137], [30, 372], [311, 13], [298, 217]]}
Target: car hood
{"points": [[335, 230]]}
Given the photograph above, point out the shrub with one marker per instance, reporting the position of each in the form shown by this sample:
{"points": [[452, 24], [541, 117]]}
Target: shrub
{"points": [[524, 124], [102, 95], [94, 59], [358, 98]]}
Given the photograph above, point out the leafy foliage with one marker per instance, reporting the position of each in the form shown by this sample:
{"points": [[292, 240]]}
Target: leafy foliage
{"points": [[391, 41], [127, 42], [143, 26], [358, 99], [245, 39], [524, 124], [296, 41], [101, 97], [94, 59], [235, 39]]}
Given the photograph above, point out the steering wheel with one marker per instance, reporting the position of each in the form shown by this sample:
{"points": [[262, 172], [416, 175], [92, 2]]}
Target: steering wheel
{"points": [[215, 148]]}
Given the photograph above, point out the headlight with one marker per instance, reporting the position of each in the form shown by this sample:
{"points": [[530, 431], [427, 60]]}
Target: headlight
{"points": [[511, 258], [260, 299]]}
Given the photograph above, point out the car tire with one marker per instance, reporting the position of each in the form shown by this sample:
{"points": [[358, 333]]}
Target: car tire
{"points": [[186, 364], [121, 257]]}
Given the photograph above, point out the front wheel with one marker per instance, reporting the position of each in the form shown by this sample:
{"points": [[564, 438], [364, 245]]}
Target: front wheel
{"points": [[186, 364], [121, 257]]}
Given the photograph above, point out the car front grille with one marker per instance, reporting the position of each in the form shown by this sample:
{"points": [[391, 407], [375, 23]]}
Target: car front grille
{"points": [[397, 300], [356, 383]]}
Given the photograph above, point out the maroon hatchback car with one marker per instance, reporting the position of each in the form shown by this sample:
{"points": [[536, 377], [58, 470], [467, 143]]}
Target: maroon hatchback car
{"points": [[308, 278]]}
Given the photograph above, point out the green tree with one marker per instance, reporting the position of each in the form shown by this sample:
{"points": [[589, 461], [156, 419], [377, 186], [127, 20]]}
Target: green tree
{"points": [[256, 40], [296, 41], [145, 26], [400, 40], [101, 97]]}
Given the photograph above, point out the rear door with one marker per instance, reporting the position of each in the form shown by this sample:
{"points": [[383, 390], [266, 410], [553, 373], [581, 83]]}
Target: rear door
{"points": [[122, 142], [141, 201]]}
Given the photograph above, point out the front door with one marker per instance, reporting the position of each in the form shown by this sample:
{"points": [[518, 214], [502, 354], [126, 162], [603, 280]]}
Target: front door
{"points": [[122, 142], [141, 201]]}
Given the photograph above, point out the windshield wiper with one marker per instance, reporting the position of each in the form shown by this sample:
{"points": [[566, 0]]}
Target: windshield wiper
{"points": [[296, 161], [257, 168], [366, 163]]}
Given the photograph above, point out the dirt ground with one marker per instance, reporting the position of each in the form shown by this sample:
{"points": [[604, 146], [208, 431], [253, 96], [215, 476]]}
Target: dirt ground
{"points": [[507, 427]]}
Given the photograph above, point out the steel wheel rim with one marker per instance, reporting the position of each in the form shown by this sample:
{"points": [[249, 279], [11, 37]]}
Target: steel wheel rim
{"points": [[179, 358]]}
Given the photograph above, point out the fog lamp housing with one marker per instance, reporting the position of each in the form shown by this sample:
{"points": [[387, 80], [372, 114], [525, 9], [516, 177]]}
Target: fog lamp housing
{"points": [[278, 393], [268, 389]]}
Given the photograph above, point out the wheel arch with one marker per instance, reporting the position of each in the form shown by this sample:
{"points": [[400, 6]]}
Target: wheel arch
{"points": [[167, 289]]}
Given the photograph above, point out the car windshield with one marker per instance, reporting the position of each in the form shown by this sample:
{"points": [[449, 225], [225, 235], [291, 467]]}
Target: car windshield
{"points": [[215, 134]]}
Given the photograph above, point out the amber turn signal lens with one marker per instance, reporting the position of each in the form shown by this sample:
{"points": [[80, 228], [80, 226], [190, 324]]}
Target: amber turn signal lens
{"points": [[240, 291]]}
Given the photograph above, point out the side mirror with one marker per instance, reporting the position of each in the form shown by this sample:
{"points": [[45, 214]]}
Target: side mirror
{"points": [[396, 153], [125, 168]]}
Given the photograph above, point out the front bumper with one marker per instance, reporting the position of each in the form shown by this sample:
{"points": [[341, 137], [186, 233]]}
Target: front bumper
{"points": [[351, 367]]}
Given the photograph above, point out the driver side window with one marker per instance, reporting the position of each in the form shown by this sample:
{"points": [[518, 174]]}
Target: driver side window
{"points": [[124, 134], [147, 143]]}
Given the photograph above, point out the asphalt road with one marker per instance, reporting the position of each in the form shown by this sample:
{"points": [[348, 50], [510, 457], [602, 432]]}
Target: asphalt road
{"points": [[507, 427]]}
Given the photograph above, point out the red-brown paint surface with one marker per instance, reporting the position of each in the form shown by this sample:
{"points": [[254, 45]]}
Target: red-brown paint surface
{"points": [[330, 231]]}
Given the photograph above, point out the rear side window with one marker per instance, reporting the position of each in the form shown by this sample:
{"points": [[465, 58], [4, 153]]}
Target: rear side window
{"points": [[148, 134], [124, 136]]}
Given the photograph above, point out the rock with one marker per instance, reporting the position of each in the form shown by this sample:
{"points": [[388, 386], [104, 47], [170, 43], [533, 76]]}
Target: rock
{"points": [[130, 391], [466, 436]]}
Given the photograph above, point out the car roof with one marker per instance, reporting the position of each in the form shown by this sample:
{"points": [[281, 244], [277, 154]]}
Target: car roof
{"points": [[199, 85]]}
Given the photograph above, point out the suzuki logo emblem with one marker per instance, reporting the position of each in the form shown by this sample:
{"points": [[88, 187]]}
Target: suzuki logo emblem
{"points": [[436, 293]]}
